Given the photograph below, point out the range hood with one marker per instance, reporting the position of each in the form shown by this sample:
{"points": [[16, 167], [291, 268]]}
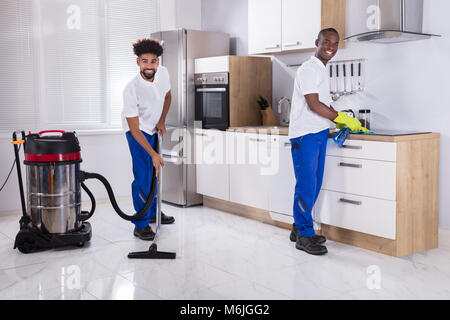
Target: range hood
{"points": [[389, 21]]}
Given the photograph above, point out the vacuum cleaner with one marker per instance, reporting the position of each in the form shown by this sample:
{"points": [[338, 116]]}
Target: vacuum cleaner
{"points": [[52, 216]]}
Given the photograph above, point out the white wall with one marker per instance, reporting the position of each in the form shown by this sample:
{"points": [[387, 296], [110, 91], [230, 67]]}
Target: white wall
{"points": [[180, 14], [406, 83], [230, 17]]}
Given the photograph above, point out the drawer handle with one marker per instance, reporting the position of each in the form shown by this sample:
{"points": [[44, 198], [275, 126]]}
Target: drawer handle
{"points": [[257, 140], [358, 203], [201, 134], [287, 144], [273, 46], [352, 147], [292, 44], [351, 165]]}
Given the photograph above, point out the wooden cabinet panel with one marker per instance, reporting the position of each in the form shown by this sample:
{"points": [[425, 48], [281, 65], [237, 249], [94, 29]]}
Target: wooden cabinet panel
{"points": [[250, 77], [333, 16]]}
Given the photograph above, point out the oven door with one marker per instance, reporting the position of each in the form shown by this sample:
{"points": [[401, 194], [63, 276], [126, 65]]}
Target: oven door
{"points": [[212, 106]]}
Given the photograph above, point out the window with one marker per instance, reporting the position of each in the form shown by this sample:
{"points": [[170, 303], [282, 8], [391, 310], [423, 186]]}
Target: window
{"points": [[127, 22], [17, 61], [66, 62]]}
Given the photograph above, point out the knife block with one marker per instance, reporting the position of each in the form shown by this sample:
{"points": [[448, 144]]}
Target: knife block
{"points": [[268, 118]]}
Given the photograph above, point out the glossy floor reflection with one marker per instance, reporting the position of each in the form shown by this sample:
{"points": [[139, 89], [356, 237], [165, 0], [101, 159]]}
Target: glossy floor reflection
{"points": [[219, 256]]}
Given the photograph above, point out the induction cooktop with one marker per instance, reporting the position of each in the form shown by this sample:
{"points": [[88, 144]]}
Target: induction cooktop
{"points": [[392, 133]]}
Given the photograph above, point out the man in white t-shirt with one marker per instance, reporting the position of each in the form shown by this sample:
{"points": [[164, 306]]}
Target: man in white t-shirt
{"points": [[146, 101], [309, 125]]}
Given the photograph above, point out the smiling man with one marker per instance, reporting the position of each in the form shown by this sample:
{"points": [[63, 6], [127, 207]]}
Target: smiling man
{"points": [[146, 102], [309, 125]]}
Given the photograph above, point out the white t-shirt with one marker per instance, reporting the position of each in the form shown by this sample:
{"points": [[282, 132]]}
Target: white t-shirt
{"points": [[311, 77], [145, 99]]}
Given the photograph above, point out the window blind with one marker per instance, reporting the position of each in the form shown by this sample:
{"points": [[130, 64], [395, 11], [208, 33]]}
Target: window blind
{"points": [[127, 22], [65, 63], [73, 69], [17, 95]]}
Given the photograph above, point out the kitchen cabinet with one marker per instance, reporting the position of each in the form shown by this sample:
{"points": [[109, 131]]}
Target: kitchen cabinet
{"points": [[381, 193], [358, 191], [301, 22], [212, 170], [283, 26], [249, 173], [264, 26]]}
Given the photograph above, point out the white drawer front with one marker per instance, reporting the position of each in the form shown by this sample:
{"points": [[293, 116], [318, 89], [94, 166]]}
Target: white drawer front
{"points": [[372, 216], [375, 150], [369, 178]]}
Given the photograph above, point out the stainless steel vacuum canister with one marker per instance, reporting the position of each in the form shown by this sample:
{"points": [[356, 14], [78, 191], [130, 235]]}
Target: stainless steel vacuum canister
{"points": [[52, 160]]}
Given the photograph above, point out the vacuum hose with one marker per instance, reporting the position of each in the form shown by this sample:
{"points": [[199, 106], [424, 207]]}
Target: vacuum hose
{"points": [[82, 176], [86, 175], [84, 214]]}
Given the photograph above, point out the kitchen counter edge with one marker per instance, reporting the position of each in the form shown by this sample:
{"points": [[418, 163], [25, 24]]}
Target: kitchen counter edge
{"points": [[366, 137]]}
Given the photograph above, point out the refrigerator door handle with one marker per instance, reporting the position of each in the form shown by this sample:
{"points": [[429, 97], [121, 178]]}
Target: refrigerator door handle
{"points": [[172, 159]]}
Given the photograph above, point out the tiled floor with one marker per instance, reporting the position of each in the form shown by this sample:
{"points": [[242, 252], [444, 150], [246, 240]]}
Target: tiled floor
{"points": [[219, 256]]}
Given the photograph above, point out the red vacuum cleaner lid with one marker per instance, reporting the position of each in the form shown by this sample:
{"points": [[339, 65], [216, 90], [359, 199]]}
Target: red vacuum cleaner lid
{"points": [[54, 146]]}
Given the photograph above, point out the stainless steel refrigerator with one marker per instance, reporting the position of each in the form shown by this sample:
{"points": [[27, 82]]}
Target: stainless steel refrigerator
{"points": [[181, 47]]}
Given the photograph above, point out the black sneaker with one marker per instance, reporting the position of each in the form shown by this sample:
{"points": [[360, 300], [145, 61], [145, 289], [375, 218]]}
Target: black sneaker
{"points": [[317, 239], [164, 219], [308, 245], [144, 233]]}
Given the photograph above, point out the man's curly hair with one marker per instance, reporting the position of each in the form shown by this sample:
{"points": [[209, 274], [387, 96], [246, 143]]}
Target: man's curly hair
{"points": [[143, 46]]}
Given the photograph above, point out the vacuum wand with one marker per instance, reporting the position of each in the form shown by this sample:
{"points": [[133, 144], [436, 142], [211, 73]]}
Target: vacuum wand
{"points": [[153, 252]]}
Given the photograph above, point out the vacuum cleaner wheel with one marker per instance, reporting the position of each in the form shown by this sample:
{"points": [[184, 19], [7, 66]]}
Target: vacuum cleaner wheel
{"points": [[26, 243]]}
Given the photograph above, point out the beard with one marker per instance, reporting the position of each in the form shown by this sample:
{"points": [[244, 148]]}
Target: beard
{"points": [[147, 75]]}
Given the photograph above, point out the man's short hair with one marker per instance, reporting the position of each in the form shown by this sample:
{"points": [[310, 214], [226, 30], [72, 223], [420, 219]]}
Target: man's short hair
{"points": [[327, 30], [143, 46]]}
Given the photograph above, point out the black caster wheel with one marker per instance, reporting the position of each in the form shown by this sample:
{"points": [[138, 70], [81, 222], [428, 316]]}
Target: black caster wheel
{"points": [[27, 245], [80, 244]]}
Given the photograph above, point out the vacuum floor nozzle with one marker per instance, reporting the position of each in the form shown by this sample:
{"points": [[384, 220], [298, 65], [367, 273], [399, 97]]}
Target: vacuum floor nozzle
{"points": [[152, 253]]}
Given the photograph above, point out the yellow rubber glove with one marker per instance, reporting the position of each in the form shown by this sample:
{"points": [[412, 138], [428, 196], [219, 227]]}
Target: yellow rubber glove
{"points": [[344, 119]]}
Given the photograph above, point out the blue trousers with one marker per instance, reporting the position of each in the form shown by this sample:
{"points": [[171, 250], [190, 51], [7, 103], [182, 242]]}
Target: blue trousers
{"points": [[308, 155], [142, 171]]}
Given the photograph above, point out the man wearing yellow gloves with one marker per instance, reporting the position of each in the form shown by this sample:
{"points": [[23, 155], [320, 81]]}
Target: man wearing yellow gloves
{"points": [[308, 131]]}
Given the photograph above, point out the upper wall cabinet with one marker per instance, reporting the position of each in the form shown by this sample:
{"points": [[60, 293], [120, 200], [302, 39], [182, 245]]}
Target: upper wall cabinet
{"points": [[300, 23], [264, 26], [279, 26]]}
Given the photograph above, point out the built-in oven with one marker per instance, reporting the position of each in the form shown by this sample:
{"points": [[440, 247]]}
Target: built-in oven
{"points": [[212, 106]]}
